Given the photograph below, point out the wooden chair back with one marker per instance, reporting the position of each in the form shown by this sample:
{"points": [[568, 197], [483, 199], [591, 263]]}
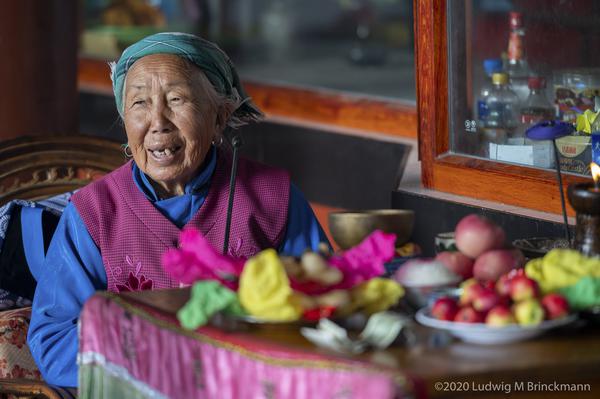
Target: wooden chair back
{"points": [[38, 167]]}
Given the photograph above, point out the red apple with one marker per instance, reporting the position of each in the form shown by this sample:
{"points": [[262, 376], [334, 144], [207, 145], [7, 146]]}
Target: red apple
{"points": [[485, 299], [516, 272], [493, 264], [475, 235], [444, 308], [528, 312], [500, 316], [468, 315], [555, 306], [503, 285], [470, 289], [488, 284], [522, 288], [457, 263]]}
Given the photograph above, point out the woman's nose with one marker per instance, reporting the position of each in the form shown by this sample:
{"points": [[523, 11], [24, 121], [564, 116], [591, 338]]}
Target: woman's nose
{"points": [[160, 122]]}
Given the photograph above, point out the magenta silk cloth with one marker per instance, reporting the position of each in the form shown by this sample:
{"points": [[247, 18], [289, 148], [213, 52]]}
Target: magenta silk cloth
{"points": [[132, 234], [139, 349]]}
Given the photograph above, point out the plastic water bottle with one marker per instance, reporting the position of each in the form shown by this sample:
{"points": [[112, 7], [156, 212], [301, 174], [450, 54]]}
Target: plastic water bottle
{"points": [[503, 111], [491, 66]]}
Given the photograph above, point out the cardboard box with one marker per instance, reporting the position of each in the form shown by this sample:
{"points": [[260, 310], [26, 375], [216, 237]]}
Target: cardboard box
{"points": [[535, 154], [575, 153]]}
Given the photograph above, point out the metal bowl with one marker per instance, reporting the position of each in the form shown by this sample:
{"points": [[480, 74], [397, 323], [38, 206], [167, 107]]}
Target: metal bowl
{"points": [[349, 228], [537, 247]]}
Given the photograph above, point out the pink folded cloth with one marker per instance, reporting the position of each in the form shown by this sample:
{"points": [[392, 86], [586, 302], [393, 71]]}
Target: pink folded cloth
{"points": [[196, 259]]}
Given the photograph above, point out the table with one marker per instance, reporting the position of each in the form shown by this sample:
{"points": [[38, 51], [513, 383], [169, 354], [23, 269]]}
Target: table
{"points": [[131, 344]]}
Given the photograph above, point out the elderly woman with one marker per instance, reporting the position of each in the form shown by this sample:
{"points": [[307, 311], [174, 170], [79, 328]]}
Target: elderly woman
{"points": [[176, 93]]}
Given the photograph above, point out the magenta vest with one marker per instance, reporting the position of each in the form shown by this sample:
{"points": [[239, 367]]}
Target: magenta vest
{"points": [[132, 234]]}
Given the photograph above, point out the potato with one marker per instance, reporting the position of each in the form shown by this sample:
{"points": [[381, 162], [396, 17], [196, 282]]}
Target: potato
{"points": [[317, 269]]}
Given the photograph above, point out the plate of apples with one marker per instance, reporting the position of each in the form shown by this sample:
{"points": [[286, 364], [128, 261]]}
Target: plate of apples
{"points": [[490, 313]]}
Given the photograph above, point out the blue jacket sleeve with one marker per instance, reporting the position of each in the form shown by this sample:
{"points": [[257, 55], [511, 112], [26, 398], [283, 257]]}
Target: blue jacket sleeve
{"points": [[303, 230], [72, 272]]}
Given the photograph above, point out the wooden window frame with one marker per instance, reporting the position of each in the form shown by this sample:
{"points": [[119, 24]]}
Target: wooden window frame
{"points": [[444, 171], [356, 111]]}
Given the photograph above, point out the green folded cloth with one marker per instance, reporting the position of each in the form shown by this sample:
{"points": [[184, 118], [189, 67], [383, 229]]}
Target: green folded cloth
{"points": [[207, 298], [584, 294]]}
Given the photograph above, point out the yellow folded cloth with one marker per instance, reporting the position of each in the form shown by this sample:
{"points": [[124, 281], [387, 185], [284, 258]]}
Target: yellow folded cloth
{"points": [[561, 268], [375, 295], [265, 290]]}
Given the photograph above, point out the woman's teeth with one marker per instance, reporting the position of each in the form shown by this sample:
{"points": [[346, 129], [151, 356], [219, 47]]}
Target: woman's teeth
{"points": [[167, 152]]}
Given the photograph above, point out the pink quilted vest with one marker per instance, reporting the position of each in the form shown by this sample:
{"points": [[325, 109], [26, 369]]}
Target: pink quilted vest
{"points": [[132, 234]]}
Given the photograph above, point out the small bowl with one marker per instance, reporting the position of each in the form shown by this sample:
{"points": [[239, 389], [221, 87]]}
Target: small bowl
{"points": [[445, 242], [349, 228]]}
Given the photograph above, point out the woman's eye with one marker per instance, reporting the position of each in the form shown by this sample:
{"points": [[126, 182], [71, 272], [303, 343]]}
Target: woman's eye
{"points": [[138, 102], [175, 99]]}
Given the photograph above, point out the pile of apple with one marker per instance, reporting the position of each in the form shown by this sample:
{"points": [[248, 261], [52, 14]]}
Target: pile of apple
{"points": [[496, 290], [513, 299], [481, 250]]}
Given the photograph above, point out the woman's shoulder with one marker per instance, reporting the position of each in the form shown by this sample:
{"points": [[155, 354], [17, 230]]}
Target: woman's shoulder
{"points": [[102, 186]]}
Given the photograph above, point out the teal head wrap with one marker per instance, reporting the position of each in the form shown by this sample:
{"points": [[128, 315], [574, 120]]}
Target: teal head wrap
{"points": [[215, 64]]}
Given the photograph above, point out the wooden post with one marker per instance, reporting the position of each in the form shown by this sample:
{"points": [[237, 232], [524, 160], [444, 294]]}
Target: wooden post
{"points": [[38, 68]]}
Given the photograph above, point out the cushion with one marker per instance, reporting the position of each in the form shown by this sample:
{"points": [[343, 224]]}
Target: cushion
{"points": [[15, 359], [24, 239]]}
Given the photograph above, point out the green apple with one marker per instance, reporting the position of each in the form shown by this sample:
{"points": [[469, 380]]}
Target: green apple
{"points": [[528, 312]]}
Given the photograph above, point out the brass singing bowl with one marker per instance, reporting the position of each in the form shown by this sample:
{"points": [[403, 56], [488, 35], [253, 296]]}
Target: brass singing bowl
{"points": [[349, 228]]}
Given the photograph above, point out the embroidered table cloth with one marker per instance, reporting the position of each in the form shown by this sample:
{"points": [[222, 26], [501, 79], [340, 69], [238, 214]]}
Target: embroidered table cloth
{"points": [[129, 349]]}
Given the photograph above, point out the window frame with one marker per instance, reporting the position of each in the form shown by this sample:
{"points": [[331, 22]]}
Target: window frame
{"points": [[392, 117], [457, 174]]}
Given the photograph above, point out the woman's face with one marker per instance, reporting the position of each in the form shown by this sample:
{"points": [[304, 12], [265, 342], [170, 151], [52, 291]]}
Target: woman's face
{"points": [[170, 119]]}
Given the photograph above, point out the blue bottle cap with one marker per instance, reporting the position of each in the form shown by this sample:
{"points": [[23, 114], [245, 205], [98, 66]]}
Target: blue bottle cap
{"points": [[492, 65], [549, 130]]}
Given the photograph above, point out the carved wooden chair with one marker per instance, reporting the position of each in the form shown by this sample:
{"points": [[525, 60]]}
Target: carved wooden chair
{"points": [[35, 168], [38, 167]]}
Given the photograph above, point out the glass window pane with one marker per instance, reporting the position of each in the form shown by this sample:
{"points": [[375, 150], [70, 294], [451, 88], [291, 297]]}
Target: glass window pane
{"points": [[361, 46], [514, 63]]}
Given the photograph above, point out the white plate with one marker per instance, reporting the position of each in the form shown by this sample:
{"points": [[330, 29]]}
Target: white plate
{"points": [[479, 333]]}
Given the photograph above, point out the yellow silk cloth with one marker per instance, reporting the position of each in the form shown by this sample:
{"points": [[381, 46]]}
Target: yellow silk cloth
{"points": [[265, 290], [561, 268]]}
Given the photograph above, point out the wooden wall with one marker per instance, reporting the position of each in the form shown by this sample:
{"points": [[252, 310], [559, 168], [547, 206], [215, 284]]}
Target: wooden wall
{"points": [[38, 72]]}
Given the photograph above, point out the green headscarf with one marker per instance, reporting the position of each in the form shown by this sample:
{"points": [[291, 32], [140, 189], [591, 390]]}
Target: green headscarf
{"points": [[215, 64]]}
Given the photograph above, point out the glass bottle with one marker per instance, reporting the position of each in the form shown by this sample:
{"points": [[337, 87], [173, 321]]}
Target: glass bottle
{"points": [[516, 64], [537, 107], [491, 66], [503, 111]]}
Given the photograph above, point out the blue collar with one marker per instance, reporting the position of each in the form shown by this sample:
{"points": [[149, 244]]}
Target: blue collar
{"points": [[193, 186]]}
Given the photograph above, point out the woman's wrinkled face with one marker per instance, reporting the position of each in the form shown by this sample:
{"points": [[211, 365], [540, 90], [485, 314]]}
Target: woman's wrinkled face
{"points": [[170, 119]]}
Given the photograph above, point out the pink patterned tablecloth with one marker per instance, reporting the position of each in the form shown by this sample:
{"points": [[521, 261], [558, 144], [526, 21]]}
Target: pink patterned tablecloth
{"points": [[132, 350]]}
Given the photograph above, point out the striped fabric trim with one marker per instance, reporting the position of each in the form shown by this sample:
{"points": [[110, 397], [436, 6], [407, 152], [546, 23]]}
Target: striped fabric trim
{"points": [[96, 359]]}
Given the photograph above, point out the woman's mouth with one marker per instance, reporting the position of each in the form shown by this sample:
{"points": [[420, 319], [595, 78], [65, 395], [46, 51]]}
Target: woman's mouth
{"points": [[165, 154]]}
